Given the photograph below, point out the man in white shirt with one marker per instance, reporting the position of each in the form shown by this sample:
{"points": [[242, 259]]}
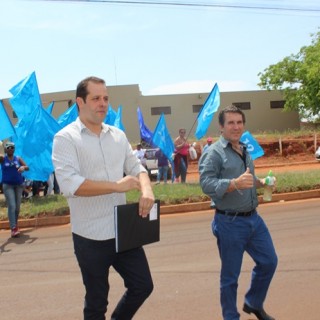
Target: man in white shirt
{"points": [[90, 160], [140, 154]]}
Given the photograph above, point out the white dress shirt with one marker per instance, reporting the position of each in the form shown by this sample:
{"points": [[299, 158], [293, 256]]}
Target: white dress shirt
{"points": [[79, 154]]}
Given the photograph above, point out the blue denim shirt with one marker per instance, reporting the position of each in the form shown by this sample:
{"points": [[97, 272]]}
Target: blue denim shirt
{"points": [[218, 166]]}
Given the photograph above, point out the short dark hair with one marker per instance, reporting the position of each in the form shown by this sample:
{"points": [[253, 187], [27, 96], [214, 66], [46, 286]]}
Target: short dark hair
{"points": [[230, 109], [82, 87]]}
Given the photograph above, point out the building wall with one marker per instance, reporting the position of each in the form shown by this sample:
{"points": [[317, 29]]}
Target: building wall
{"points": [[259, 118]]}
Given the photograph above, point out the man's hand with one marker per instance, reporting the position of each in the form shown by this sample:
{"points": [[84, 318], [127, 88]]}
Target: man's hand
{"points": [[245, 181], [128, 183], [147, 197]]}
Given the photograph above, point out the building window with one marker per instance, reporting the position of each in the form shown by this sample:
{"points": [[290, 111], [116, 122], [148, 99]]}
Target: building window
{"points": [[242, 105], [196, 108], [155, 111], [277, 104]]}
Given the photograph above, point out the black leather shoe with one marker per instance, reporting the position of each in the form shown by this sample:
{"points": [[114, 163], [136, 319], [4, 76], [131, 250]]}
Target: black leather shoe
{"points": [[260, 314]]}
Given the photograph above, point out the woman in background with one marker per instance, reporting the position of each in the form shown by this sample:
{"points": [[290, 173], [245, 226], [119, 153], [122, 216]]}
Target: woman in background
{"points": [[13, 184]]}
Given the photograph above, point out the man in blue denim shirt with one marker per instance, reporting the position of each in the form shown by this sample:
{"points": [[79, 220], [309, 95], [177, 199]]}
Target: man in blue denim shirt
{"points": [[227, 176]]}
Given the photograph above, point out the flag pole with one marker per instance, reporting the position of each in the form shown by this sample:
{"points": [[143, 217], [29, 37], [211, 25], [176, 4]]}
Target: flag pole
{"points": [[199, 113]]}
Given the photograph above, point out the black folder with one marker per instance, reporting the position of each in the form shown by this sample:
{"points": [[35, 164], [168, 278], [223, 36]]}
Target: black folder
{"points": [[133, 231]]}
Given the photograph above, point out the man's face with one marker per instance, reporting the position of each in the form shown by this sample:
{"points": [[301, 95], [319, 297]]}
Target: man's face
{"points": [[94, 109], [233, 127]]}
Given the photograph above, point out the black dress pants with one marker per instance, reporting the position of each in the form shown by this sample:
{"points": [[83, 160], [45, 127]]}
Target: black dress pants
{"points": [[95, 259]]}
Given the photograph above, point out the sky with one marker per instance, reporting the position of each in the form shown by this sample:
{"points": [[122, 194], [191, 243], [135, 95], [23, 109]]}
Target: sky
{"points": [[165, 49]]}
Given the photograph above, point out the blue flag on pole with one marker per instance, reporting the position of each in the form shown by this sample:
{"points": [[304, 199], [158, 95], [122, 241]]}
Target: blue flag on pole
{"points": [[6, 127], [118, 120], [26, 96], [162, 139], [34, 140], [68, 116], [252, 145], [111, 116], [145, 133], [209, 108]]}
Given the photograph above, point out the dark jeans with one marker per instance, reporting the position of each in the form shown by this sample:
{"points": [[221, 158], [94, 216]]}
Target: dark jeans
{"points": [[236, 235], [95, 259], [180, 166]]}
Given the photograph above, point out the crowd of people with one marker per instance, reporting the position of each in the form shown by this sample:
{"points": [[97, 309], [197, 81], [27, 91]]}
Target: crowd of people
{"points": [[95, 180]]}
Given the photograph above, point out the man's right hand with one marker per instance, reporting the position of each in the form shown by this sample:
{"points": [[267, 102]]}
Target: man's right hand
{"points": [[245, 181]]}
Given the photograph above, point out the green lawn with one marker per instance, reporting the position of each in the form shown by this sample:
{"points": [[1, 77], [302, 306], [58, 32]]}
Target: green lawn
{"points": [[167, 194]]}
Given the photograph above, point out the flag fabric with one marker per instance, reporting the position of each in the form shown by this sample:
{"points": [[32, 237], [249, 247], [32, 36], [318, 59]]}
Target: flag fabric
{"points": [[110, 116], [118, 120], [26, 96], [50, 107], [33, 142], [68, 116], [145, 133], [207, 112], [252, 145], [162, 139], [6, 127]]}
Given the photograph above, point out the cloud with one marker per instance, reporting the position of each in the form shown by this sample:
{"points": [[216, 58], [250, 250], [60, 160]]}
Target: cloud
{"points": [[196, 86]]}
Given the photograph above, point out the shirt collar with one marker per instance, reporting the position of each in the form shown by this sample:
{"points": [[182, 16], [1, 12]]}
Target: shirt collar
{"points": [[82, 126], [225, 143]]}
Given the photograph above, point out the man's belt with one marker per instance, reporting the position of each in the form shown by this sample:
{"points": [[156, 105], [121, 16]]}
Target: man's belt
{"points": [[237, 213]]}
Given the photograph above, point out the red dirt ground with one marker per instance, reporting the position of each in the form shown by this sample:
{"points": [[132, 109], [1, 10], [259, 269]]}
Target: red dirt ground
{"points": [[297, 155]]}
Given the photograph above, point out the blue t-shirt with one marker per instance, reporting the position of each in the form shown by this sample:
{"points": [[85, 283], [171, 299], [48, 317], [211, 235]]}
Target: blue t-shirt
{"points": [[10, 174]]}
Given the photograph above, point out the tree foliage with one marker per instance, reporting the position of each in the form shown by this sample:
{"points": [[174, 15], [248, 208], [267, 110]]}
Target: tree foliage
{"points": [[298, 77]]}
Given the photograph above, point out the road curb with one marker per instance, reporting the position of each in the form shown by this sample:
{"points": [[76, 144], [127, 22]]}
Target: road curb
{"points": [[178, 208]]}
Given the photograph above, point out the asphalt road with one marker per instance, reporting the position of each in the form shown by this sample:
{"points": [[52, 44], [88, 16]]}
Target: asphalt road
{"points": [[40, 279]]}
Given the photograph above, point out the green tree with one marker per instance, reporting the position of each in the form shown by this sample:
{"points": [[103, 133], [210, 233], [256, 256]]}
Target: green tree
{"points": [[298, 77]]}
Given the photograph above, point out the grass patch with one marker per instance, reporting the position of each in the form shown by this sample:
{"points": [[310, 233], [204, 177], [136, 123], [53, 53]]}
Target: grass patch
{"points": [[167, 194]]}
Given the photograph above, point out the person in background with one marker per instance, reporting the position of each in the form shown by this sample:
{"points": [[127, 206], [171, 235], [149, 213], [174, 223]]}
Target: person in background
{"points": [[227, 176], [140, 154], [181, 156], [209, 143], [163, 166], [13, 184], [56, 188], [48, 189], [90, 158], [27, 191]]}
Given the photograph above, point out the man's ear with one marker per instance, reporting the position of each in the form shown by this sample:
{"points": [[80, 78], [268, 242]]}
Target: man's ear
{"points": [[79, 102]]}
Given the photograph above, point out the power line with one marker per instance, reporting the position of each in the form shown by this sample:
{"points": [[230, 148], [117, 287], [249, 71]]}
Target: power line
{"points": [[194, 4]]}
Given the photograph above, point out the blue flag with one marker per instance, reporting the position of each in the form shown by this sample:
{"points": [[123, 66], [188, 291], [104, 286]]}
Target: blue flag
{"points": [[26, 96], [118, 120], [50, 107], [209, 108], [252, 145], [34, 140], [145, 133], [111, 116], [6, 127], [162, 139], [68, 116]]}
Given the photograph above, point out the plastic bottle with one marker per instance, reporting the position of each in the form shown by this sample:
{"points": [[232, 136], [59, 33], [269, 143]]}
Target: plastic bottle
{"points": [[268, 188]]}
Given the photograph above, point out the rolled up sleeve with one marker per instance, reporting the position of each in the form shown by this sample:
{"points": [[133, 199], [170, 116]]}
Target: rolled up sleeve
{"points": [[66, 165]]}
